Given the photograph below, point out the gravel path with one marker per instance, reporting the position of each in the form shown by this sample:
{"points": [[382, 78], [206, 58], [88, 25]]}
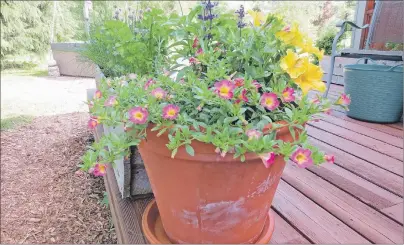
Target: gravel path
{"points": [[44, 198], [37, 96]]}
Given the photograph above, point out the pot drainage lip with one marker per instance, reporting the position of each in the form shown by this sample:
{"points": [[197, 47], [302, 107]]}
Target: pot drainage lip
{"points": [[155, 234]]}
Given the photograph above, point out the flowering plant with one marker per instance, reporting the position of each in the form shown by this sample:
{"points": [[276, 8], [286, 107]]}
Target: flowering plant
{"points": [[243, 82]]}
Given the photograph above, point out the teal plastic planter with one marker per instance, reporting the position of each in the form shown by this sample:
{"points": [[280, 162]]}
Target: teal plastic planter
{"points": [[376, 92]]}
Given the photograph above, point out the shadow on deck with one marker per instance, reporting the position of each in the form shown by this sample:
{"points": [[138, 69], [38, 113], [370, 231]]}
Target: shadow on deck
{"points": [[359, 199]]}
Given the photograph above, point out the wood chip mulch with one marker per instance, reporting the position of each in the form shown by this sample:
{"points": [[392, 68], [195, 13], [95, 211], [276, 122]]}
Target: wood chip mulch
{"points": [[44, 198]]}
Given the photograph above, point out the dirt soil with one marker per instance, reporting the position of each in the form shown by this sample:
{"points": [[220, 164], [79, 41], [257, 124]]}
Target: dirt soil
{"points": [[44, 199]]}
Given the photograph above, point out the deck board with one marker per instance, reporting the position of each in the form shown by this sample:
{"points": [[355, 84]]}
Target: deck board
{"points": [[395, 212], [366, 191], [374, 174], [361, 139], [359, 199], [358, 128], [367, 221], [285, 233], [386, 162], [380, 127], [311, 219]]}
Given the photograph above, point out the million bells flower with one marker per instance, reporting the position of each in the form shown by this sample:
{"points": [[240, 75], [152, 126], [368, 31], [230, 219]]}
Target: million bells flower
{"points": [[269, 101], [100, 169], [159, 93], [138, 115], [111, 101], [224, 89], [344, 100], [268, 159], [288, 95], [170, 112], [253, 134], [93, 122], [302, 157]]}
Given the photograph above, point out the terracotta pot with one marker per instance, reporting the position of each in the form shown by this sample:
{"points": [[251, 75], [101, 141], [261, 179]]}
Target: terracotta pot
{"points": [[207, 198]]}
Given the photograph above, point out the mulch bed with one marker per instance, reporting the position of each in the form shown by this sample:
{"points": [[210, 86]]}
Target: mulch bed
{"points": [[44, 198]]}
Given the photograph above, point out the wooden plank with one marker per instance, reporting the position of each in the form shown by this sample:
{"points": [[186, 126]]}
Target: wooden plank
{"points": [[388, 163], [398, 125], [361, 139], [366, 191], [376, 126], [284, 233], [368, 222], [364, 169], [395, 212], [127, 221], [312, 220], [373, 133]]}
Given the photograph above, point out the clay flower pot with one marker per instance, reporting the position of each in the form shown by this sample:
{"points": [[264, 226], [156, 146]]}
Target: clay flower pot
{"points": [[207, 198]]}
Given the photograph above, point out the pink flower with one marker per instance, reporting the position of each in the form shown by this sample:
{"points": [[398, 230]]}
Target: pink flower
{"points": [[170, 112], [196, 43], [149, 83], [159, 93], [182, 80], [111, 101], [327, 111], [269, 101], [302, 157], [193, 60], [268, 159], [90, 104], [344, 100], [224, 89], [315, 101], [97, 94], [93, 122], [223, 154], [253, 134], [329, 158], [199, 52], [256, 84], [199, 108], [138, 115], [239, 81], [287, 95], [100, 169], [217, 150], [243, 95], [132, 76], [286, 28]]}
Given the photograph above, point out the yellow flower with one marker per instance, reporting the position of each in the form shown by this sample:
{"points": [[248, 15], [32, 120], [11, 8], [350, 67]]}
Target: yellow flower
{"points": [[311, 79], [293, 64], [308, 47], [291, 35], [257, 16]]}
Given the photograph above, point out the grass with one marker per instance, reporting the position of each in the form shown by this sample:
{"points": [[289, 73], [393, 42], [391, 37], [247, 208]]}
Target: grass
{"points": [[26, 72], [14, 122]]}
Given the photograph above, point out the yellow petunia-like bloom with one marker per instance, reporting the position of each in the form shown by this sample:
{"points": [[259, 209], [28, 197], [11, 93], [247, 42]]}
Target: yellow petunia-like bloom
{"points": [[311, 79], [291, 35], [258, 17], [308, 47], [293, 64]]}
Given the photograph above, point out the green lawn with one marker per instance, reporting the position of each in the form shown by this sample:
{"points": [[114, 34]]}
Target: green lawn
{"points": [[14, 122], [36, 72]]}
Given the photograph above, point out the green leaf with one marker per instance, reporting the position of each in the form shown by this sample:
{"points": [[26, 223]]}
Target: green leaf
{"points": [[174, 152], [190, 150], [230, 119]]}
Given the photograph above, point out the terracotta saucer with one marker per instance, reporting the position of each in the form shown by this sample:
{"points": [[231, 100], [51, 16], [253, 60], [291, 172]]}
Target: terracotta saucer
{"points": [[155, 234]]}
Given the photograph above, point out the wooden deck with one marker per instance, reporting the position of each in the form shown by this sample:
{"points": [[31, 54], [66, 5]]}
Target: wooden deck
{"points": [[359, 199]]}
